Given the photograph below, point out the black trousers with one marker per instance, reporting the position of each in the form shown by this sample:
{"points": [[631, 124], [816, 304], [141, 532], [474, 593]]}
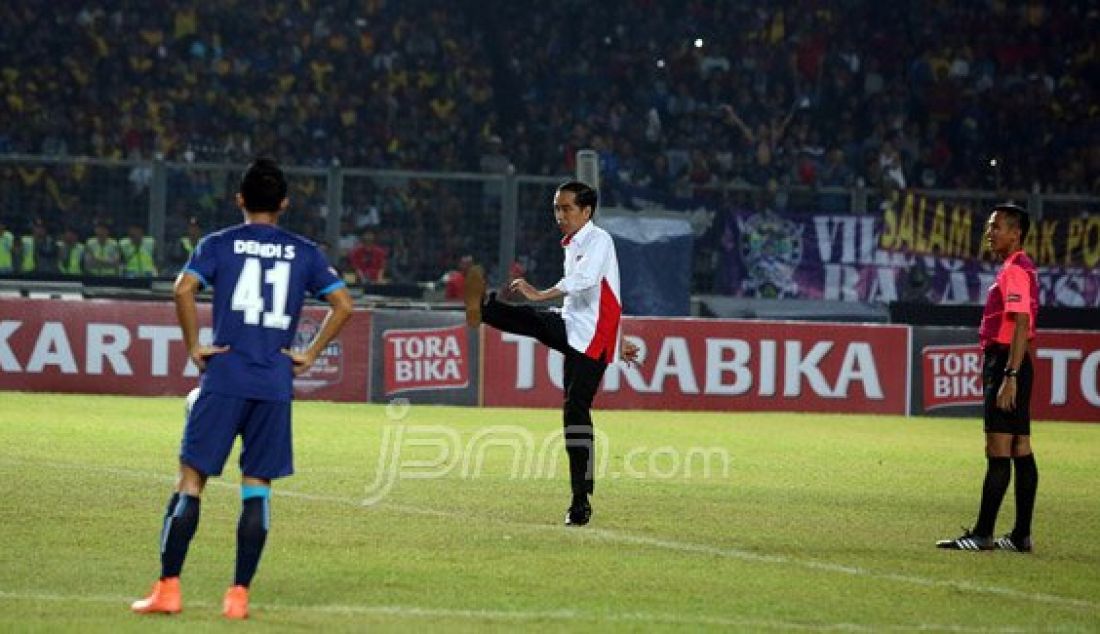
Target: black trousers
{"points": [[582, 376]]}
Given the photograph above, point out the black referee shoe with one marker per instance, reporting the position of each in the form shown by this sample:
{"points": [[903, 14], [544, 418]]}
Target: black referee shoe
{"points": [[967, 541], [578, 514], [1014, 544]]}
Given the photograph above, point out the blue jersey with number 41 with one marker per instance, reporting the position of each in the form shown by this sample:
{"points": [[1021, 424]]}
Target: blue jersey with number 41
{"points": [[260, 274]]}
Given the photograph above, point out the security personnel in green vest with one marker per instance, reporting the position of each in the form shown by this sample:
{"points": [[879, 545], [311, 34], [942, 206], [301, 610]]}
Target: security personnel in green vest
{"points": [[70, 253], [7, 249], [101, 253], [181, 250], [37, 251], [137, 253]]}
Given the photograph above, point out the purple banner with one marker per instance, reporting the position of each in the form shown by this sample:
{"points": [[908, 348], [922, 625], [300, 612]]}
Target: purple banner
{"points": [[912, 249]]}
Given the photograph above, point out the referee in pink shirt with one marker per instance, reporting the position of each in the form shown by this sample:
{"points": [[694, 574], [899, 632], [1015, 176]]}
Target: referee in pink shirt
{"points": [[1007, 336]]}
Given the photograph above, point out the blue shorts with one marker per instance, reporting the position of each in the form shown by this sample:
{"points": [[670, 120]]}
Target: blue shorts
{"points": [[214, 424]]}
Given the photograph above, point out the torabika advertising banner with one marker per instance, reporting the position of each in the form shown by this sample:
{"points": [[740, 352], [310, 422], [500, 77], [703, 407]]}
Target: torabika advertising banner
{"points": [[947, 374], [423, 357], [136, 348], [1067, 380], [713, 364], [952, 376], [124, 347]]}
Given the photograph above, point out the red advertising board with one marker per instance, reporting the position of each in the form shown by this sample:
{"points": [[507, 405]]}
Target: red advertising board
{"points": [[123, 347], [1066, 375], [426, 359], [721, 365], [1067, 380], [952, 375]]}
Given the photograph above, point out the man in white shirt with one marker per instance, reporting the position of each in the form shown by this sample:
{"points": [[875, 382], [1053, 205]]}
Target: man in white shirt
{"points": [[586, 330]]}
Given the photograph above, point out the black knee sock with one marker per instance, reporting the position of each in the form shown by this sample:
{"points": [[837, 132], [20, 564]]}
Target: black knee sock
{"points": [[180, 522], [251, 536], [997, 476], [1027, 481], [168, 510]]}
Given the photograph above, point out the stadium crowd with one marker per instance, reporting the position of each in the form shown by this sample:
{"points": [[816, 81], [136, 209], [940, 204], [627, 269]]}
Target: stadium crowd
{"points": [[810, 91], [676, 96]]}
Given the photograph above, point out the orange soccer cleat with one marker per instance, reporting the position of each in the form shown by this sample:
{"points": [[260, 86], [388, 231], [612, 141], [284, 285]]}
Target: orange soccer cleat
{"points": [[164, 599], [235, 604]]}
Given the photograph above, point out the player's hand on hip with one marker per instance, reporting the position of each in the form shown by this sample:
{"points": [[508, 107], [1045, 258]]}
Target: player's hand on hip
{"points": [[302, 361], [200, 354]]}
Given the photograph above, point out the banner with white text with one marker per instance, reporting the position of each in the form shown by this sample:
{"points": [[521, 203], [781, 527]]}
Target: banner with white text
{"points": [[424, 357], [913, 249], [719, 364], [947, 374], [123, 347], [135, 348]]}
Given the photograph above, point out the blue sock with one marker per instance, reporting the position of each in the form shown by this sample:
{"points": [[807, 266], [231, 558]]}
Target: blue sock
{"points": [[181, 520], [251, 531]]}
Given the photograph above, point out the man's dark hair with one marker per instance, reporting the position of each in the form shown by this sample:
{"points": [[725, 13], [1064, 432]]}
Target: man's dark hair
{"points": [[1016, 215], [263, 186], [584, 195]]}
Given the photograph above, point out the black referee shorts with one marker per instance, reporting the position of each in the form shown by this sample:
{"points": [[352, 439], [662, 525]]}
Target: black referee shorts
{"points": [[999, 421]]}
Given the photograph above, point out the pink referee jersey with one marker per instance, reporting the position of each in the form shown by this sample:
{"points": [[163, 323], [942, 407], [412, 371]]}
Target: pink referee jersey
{"points": [[592, 310], [1016, 290]]}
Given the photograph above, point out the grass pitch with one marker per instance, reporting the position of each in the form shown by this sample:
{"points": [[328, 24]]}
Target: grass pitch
{"points": [[815, 523]]}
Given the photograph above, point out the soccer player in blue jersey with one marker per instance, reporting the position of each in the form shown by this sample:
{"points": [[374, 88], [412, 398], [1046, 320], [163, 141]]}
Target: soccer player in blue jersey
{"points": [[260, 275]]}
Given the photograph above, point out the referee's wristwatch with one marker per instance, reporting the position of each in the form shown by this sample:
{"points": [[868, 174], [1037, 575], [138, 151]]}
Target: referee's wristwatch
{"points": [[1011, 372]]}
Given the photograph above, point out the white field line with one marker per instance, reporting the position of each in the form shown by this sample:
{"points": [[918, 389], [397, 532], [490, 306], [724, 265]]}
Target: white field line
{"points": [[406, 611], [639, 540]]}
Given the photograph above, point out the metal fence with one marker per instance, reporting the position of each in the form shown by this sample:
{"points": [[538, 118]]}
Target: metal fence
{"points": [[426, 221]]}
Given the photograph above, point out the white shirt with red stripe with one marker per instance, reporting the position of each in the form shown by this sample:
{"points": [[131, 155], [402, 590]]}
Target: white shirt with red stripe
{"points": [[593, 307]]}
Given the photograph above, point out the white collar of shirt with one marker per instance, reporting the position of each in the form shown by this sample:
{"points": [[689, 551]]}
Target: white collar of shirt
{"points": [[577, 235]]}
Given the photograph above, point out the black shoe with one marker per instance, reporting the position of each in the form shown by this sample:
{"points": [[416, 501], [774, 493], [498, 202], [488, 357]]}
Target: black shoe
{"points": [[474, 295], [1014, 544], [578, 514], [967, 541]]}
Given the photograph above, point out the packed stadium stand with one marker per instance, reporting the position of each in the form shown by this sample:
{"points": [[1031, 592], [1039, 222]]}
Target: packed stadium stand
{"points": [[819, 91], [677, 97]]}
